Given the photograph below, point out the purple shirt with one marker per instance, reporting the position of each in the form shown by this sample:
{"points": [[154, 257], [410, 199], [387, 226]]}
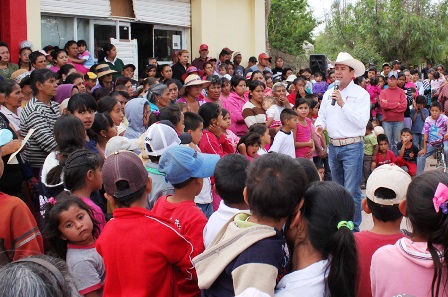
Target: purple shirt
{"points": [[435, 129]]}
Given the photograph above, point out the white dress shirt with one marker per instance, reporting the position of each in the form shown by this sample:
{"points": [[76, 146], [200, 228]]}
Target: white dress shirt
{"points": [[349, 120]]}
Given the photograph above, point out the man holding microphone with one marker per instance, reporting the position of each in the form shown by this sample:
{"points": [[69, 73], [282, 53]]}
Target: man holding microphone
{"points": [[344, 112]]}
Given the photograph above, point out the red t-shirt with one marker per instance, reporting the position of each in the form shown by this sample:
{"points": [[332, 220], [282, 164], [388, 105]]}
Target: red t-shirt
{"points": [[367, 243], [390, 158], [190, 222]]}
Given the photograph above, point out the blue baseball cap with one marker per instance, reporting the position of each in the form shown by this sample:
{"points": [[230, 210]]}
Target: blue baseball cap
{"points": [[180, 163]]}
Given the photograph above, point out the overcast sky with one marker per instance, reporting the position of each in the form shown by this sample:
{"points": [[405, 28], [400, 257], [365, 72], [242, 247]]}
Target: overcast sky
{"points": [[320, 8]]}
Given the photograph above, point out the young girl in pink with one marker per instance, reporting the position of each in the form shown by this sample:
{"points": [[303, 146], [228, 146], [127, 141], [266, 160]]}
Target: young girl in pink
{"points": [[225, 125], [303, 141], [417, 265], [374, 91], [265, 137], [249, 145]]}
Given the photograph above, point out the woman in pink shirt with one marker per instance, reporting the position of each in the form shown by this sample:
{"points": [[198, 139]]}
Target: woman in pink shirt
{"points": [[417, 266], [234, 104], [191, 92]]}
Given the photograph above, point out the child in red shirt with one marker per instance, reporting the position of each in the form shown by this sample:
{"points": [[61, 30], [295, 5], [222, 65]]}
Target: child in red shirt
{"points": [[384, 155]]}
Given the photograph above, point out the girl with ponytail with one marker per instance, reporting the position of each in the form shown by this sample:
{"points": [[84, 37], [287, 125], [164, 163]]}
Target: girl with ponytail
{"points": [[324, 255], [417, 266]]}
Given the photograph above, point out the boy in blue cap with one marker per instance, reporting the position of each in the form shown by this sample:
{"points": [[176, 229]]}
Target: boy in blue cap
{"points": [[185, 169]]}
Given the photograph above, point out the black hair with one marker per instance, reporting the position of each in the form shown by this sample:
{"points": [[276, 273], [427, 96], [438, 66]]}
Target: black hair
{"points": [[209, 111], [77, 165], [436, 74], [287, 114], [405, 130], [122, 80], [101, 122], [267, 174], [310, 169], [253, 74], [192, 121], [369, 126], [120, 93], [224, 80], [100, 93], [285, 70], [420, 99], [250, 138], [20, 59], [54, 244], [81, 102], [414, 71], [260, 129], [300, 101], [235, 81], [436, 104], [294, 82], [127, 200], [230, 178], [54, 54], [171, 113], [430, 224], [69, 133], [82, 42], [254, 84], [106, 104], [7, 86], [184, 183], [40, 75], [384, 213], [382, 137], [164, 66], [312, 103], [326, 204], [358, 80], [311, 97], [70, 79], [26, 81], [224, 112], [4, 44], [64, 70], [103, 52], [69, 44], [374, 81]]}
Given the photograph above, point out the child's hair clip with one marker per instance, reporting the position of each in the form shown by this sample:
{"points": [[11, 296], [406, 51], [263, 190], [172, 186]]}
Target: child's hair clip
{"points": [[52, 201]]}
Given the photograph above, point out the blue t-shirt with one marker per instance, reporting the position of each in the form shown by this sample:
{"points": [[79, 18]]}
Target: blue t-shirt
{"points": [[417, 125]]}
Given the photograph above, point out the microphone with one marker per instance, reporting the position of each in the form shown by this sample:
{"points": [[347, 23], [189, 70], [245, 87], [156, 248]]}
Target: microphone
{"points": [[337, 83]]}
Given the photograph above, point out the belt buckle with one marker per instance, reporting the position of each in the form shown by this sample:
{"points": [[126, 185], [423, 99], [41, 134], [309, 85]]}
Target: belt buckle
{"points": [[342, 142]]}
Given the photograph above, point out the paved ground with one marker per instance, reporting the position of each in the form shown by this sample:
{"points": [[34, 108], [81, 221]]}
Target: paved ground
{"points": [[367, 222]]}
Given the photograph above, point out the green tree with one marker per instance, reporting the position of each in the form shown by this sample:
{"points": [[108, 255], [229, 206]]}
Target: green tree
{"points": [[290, 23], [384, 30]]}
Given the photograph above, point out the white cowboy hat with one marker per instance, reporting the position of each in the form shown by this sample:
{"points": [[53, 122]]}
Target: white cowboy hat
{"points": [[347, 59]]}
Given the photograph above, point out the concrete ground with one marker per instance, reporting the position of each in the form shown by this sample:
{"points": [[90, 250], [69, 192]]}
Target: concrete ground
{"points": [[367, 222]]}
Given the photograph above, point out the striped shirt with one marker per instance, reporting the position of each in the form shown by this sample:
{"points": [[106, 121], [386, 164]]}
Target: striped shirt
{"points": [[253, 115], [41, 117]]}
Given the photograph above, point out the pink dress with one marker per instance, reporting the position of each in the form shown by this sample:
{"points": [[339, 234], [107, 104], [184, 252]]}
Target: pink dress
{"points": [[233, 139], [303, 134], [374, 92]]}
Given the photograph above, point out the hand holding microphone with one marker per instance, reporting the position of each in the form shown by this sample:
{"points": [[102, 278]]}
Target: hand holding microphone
{"points": [[337, 83]]}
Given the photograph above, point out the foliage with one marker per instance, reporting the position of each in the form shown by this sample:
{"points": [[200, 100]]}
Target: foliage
{"points": [[290, 23], [385, 30]]}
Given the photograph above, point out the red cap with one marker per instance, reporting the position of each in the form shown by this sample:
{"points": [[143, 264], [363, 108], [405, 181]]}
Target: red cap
{"points": [[263, 56], [203, 47]]}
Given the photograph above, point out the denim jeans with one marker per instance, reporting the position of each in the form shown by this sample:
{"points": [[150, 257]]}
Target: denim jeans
{"points": [[393, 133], [207, 209], [421, 160], [346, 169], [417, 140]]}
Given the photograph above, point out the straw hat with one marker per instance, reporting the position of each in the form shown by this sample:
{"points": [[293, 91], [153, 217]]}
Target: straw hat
{"points": [[348, 60], [103, 69], [193, 80]]}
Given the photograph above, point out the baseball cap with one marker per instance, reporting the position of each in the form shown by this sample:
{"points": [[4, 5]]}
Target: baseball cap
{"points": [[236, 54], [180, 163], [263, 56], [385, 64], [120, 143], [129, 65], [91, 75], [388, 176], [396, 62], [158, 138], [123, 166], [203, 47], [228, 50], [253, 60], [394, 74]]}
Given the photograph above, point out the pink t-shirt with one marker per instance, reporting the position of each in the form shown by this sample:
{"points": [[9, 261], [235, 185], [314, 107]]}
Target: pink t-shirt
{"points": [[303, 134], [98, 214]]}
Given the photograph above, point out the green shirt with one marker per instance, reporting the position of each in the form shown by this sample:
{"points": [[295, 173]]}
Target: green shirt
{"points": [[10, 68], [369, 142]]}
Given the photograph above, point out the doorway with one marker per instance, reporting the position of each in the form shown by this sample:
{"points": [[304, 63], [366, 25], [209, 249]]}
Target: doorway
{"points": [[144, 35]]}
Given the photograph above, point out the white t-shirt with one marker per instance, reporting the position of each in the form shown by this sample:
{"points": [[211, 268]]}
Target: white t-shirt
{"points": [[274, 112], [309, 282], [284, 144]]}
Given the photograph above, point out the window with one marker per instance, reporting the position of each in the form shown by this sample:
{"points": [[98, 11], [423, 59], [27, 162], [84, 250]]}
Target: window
{"points": [[56, 31], [166, 41]]}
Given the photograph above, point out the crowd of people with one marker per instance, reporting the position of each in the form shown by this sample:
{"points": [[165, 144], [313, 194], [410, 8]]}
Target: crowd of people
{"points": [[215, 179]]}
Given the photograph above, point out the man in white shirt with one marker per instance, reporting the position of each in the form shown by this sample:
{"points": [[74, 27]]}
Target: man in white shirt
{"points": [[346, 122]]}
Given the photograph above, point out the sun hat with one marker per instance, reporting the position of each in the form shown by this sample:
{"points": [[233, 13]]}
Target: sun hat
{"points": [[180, 163], [103, 69], [203, 47], [120, 143], [389, 176], [190, 70], [19, 74], [158, 138], [348, 60], [193, 80], [123, 166]]}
